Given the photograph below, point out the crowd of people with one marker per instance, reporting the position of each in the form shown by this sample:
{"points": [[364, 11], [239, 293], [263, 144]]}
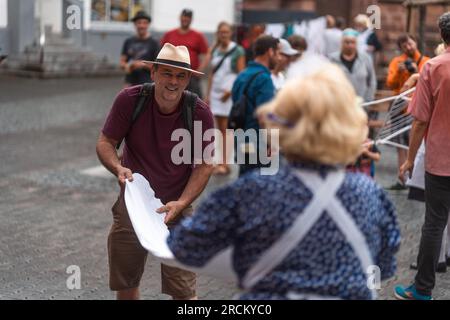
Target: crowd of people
{"points": [[324, 192]]}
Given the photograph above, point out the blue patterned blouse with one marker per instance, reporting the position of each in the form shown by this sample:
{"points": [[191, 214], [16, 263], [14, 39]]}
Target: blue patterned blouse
{"points": [[254, 211]]}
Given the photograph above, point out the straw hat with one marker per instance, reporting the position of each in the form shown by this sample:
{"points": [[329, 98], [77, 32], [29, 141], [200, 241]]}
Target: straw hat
{"points": [[172, 56]]}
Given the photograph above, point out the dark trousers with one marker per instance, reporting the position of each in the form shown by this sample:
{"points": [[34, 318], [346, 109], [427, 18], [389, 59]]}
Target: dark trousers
{"points": [[437, 201]]}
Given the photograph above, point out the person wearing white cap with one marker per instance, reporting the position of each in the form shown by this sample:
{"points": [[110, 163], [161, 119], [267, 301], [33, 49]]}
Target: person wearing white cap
{"points": [[357, 65], [287, 53], [148, 151]]}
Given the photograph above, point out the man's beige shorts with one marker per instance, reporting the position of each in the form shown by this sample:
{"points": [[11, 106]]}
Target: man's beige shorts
{"points": [[127, 259]]}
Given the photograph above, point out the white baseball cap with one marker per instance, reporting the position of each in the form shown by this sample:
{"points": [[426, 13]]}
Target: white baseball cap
{"points": [[287, 49]]}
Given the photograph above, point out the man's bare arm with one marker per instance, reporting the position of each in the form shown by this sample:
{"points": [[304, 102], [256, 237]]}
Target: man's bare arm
{"points": [[107, 154], [197, 183], [195, 186], [417, 134], [124, 63]]}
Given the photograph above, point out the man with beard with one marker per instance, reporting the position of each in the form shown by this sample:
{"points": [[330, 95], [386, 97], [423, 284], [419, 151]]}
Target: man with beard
{"points": [[401, 68], [148, 151], [138, 48], [256, 83]]}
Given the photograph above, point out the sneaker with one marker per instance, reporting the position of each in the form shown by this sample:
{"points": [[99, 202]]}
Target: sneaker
{"points": [[397, 187], [413, 266], [410, 293]]}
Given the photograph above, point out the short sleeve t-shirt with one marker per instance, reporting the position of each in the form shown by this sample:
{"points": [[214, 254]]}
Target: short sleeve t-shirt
{"points": [[234, 56], [139, 49], [148, 146], [430, 105], [193, 40]]}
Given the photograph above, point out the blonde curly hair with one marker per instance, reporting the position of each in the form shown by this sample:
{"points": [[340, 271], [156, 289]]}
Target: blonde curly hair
{"points": [[319, 118]]}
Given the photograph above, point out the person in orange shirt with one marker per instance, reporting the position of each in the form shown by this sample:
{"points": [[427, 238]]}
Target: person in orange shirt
{"points": [[401, 68]]}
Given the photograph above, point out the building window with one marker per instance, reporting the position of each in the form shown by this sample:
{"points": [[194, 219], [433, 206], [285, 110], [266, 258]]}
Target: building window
{"points": [[117, 10]]}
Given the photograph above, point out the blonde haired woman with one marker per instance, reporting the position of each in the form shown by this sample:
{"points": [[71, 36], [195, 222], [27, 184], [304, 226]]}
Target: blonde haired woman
{"points": [[227, 60], [312, 231]]}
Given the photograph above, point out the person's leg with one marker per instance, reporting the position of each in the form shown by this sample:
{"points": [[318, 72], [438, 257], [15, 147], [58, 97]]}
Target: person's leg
{"points": [[437, 199], [129, 294], [178, 283], [443, 252], [401, 157], [126, 255], [222, 124], [448, 238]]}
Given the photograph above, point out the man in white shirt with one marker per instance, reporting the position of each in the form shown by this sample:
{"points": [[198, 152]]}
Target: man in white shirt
{"points": [[333, 37]]}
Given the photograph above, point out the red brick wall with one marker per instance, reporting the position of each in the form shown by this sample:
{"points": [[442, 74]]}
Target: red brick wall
{"points": [[307, 5], [393, 20], [261, 4]]}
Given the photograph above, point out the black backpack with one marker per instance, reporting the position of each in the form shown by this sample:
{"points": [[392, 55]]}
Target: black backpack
{"points": [[188, 108], [236, 119]]}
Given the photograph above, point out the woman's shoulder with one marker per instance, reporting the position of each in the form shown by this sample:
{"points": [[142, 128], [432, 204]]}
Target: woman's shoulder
{"points": [[364, 188], [353, 179]]}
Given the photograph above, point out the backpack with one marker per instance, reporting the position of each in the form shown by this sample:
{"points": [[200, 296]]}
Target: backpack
{"points": [[187, 109], [237, 117]]}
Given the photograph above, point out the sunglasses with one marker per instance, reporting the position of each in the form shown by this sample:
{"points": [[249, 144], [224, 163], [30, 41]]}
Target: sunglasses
{"points": [[274, 118]]}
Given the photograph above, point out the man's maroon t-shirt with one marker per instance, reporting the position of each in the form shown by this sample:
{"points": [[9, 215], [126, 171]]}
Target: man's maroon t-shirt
{"points": [[193, 40], [148, 144]]}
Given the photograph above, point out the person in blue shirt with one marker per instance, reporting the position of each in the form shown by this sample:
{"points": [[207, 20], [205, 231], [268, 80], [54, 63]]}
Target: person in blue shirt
{"points": [[256, 79]]}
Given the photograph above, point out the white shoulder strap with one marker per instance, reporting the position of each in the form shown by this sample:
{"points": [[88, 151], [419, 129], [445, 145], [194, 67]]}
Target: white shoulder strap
{"points": [[290, 239], [345, 223]]}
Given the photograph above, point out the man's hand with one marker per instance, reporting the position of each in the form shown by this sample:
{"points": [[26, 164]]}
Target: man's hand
{"points": [[411, 82], [173, 210], [401, 66], [123, 174], [365, 150], [407, 167]]}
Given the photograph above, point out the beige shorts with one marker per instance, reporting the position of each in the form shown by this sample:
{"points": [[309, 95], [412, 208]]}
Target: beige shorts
{"points": [[127, 259]]}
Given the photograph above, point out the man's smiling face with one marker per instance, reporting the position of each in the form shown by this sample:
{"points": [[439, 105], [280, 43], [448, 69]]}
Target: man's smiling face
{"points": [[170, 82]]}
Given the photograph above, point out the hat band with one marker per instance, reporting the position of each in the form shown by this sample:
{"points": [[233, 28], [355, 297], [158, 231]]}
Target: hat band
{"points": [[174, 63]]}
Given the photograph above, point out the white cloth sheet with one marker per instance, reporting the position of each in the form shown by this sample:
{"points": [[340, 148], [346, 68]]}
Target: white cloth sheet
{"points": [[152, 232]]}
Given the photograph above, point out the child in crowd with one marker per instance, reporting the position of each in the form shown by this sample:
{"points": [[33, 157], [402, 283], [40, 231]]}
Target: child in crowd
{"points": [[366, 161]]}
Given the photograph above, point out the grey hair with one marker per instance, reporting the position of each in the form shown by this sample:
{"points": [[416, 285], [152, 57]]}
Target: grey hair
{"points": [[444, 25]]}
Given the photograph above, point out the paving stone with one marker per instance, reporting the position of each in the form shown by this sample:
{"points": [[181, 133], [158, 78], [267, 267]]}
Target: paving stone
{"points": [[52, 216]]}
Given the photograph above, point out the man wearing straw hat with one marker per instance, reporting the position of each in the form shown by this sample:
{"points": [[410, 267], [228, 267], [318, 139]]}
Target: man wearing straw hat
{"points": [[148, 150]]}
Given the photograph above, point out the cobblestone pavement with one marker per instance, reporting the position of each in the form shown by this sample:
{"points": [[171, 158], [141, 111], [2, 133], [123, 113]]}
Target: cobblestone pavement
{"points": [[53, 216]]}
